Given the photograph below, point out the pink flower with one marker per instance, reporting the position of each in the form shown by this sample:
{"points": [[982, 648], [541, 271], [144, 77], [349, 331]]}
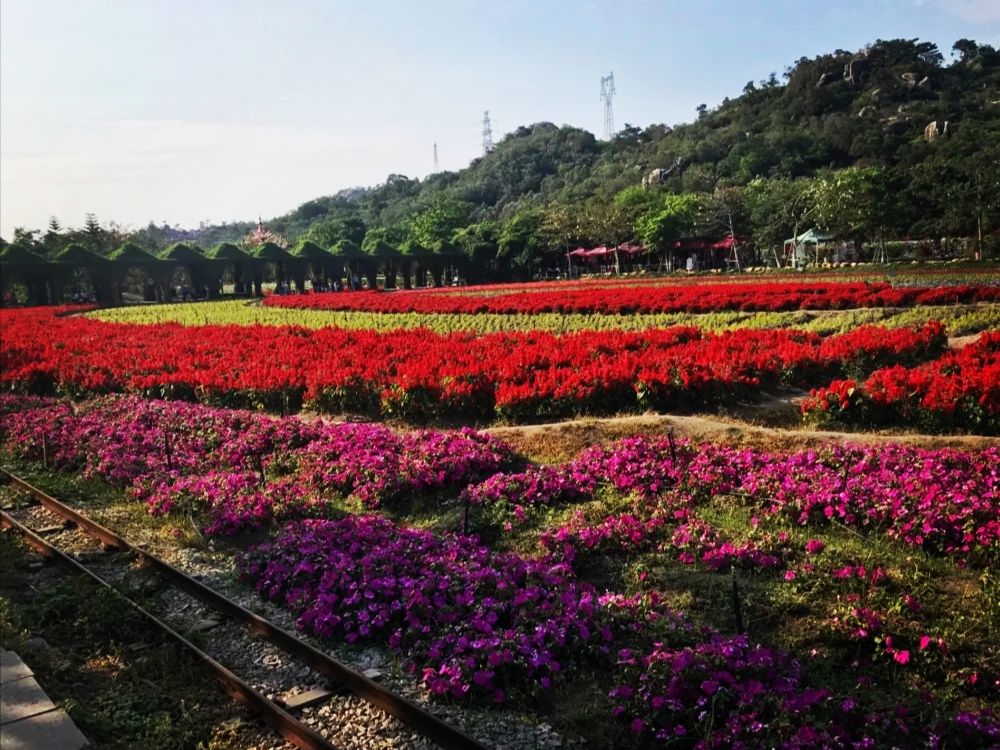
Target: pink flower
{"points": [[789, 575], [925, 641], [902, 656], [814, 546]]}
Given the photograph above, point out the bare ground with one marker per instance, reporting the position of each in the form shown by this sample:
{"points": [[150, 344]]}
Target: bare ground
{"points": [[560, 441]]}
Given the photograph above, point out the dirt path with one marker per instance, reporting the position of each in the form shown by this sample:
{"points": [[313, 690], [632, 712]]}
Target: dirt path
{"points": [[561, 441], [957, 342]]}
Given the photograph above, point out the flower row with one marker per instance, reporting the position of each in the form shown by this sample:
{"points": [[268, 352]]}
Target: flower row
{"points": [[247, 468], [417, 375], [242, 469], [646, 298], [958, 390]]}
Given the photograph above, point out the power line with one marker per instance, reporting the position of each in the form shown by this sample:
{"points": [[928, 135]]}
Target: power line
{"points": [[607, 92], [487, 133]]}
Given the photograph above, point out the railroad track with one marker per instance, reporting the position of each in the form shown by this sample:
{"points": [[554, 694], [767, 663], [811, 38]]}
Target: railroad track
{"points": [[109, 555]]}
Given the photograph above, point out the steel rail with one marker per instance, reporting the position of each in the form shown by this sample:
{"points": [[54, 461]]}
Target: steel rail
{"points": [[410, 714], [284, 723]]}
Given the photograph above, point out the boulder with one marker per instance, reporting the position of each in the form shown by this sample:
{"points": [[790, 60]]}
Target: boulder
{"points": [[659, 176], [825, 79], [934, 131], [854, 68]]}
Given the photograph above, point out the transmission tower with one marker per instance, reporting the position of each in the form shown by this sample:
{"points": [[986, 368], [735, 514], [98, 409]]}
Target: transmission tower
{"points": [[487, 133], [607, 92], [436, 168]]}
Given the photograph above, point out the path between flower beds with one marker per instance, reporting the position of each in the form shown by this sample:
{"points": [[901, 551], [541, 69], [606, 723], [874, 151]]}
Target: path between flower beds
{"points": [[560, 441]]}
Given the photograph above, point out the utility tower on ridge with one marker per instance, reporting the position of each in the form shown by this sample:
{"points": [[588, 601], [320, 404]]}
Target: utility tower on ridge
{"points": [[607, 92], [487, 133], [436, 168]]}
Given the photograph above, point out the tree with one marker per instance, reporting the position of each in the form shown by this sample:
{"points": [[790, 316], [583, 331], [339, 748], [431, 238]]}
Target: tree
{"points": [[94, 233], [675, 217], [329, 231], [28, 239], [439, 221], [725, 210], [376, 236], [53, 239], [520, 239], [854, 203], [778, 209]]}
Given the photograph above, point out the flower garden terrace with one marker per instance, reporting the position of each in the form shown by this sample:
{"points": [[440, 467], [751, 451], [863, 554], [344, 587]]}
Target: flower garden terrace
{"points": [[416, 375], [596, 590]]}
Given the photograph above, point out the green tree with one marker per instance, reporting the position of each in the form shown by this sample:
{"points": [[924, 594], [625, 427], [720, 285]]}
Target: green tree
{"points": [[854, 203], [676, 216], [94, 233], [439, 221], [520, 239], [778, 209]]}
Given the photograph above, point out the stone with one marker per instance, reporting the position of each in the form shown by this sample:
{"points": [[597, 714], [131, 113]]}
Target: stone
{"points": [[11, 667], [933, 131], [854, 68], [372, 674], [53, 529], [38, 643], [305, 699], [50, 730], [825, 79], [22, 698]]}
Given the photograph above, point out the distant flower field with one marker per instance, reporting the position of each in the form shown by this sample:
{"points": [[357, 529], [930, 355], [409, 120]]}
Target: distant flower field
{"points": [[417, 375]]}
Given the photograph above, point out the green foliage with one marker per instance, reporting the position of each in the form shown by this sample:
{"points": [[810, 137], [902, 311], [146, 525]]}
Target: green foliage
{"points": [[673, 218], [438, 222], [852, 202]]}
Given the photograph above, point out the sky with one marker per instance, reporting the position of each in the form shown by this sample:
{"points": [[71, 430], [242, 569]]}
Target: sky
{"points": [[183, 111]]}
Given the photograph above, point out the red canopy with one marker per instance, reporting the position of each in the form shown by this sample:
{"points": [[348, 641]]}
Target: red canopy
{"points": [[578, 253], [726, 243]]}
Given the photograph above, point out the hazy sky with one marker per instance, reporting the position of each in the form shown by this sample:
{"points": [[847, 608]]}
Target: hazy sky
{"points": [[183, 111]]}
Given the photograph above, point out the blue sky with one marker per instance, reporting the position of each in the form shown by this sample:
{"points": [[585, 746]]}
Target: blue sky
{"points": [[183, 111]]}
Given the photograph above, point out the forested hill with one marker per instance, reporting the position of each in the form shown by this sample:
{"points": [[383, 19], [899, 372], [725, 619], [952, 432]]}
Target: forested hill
{"points": [[847, 140]]}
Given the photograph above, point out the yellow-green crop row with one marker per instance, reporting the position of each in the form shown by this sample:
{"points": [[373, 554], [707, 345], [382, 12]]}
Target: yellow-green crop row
{"points": [[958, 319]]}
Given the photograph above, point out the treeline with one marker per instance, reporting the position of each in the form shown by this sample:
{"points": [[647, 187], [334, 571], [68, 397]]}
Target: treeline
{"points": [[886, 144]]}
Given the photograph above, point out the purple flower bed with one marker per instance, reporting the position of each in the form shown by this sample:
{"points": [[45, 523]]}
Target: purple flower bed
{"points": [[538, 485], [244, 468], [473, 623], [729, 693], [468, 620], [942, 500]]}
